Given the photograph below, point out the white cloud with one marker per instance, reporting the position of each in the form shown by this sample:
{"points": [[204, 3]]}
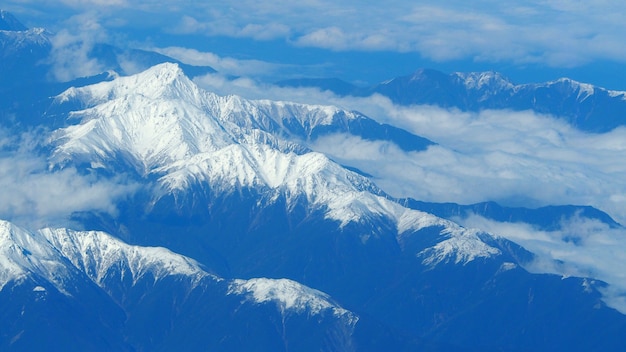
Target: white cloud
{"points": [[224, 65], [88, 3], [555, 33], [516, 158], [221, 24], [71, 47], [537, 32], [34, 196]]}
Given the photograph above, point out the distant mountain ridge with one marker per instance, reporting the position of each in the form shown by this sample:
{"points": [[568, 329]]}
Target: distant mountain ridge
{"points": [[586, 107]]}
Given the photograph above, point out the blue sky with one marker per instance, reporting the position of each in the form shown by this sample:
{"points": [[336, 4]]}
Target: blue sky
{"points": [[368, 41]]}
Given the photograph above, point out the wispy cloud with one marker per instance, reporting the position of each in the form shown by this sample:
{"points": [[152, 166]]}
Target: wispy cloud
{"points": [[516, 158], [224, 65], [71, 47], [34, 196], [554, 33], [581, 247]]}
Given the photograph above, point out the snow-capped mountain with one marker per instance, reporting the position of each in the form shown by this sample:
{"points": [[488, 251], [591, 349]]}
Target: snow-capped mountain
{"points": [[163, 123], [22, 51], [585, 106], [234, 184], [134, 286], [238, 233]]}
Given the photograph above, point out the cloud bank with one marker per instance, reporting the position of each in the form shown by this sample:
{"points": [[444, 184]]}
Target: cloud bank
{"points": [[554, 33], [70, 56]]}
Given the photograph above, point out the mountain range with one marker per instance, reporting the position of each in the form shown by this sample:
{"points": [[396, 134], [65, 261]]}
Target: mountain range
{"points": [[589, 108], [239, 235]]}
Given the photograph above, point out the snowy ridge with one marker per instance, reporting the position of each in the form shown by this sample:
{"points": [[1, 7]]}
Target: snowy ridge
{"points": [[617, 94], [59, 256], [15, 41], [492, 81], [98, 254], [289, 296], [462, 247], [187, 137], [583, 90], [282, 117], [29, 255]]}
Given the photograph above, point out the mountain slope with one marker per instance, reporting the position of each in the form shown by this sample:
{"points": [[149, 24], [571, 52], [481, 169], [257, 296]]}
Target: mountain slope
{"points": [[148, 298]]}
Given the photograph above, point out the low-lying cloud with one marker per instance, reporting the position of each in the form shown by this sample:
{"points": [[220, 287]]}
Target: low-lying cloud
{"points": [[515, 158]]}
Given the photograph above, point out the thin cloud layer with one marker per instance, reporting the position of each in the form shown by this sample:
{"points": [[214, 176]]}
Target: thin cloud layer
{"points": [[71, 57], [553, 33], [225, 66], [34, 196]]}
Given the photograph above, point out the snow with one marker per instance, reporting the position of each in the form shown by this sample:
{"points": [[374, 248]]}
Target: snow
{"points": [[617, 94], [583, 90], [18, 40], [289, 296], [462, 247], [60, 255], [97, 254], [493, 81], [24, 254]]}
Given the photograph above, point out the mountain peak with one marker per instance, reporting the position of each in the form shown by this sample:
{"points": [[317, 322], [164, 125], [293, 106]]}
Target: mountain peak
{"points": [[23, 254], [481, 80], [8, 22]]}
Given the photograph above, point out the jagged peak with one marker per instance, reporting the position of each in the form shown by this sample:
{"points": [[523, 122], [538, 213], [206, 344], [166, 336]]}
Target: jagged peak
{"points": [[480, 80], [289, 295], [58, 255], [96, 253], [221, 143], [162, 81], [24, 254], [583, 90]]}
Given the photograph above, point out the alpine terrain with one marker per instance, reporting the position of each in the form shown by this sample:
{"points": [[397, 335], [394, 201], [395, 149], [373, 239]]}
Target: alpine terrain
{"points": [[234, 231]]}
